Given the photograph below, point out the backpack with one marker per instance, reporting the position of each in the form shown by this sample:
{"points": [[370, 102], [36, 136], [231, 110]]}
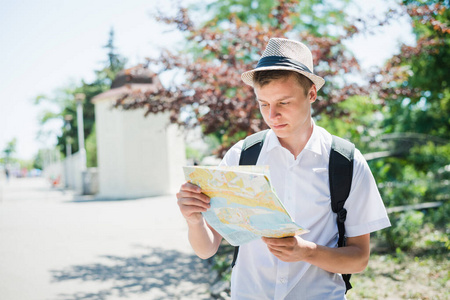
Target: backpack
{"points": [[340, 172]]}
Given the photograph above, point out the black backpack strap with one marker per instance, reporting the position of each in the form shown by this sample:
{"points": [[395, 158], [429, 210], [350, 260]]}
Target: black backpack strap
{"points": [[249, 156], [251, 148], [340, 176]]}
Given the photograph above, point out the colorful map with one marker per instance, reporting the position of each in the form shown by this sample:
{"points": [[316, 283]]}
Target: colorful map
{"points": [[244, 205]]}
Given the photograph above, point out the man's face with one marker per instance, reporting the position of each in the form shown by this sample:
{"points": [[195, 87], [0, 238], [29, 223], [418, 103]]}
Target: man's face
{"points": [[285, 108]]}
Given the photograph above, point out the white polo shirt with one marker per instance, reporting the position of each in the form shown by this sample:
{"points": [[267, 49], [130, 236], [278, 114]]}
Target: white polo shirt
{"points": [[302, 185]]}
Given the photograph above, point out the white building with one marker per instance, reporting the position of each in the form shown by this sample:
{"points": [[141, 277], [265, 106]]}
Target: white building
{"points": [[137, 156]]}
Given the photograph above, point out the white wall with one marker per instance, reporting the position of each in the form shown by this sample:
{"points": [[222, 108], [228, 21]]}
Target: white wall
{"points": [[69, 172], [177, 150], [73, 171], [137, 156]]}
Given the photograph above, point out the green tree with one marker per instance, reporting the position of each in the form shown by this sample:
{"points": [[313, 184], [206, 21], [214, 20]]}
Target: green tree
{"points": [[227, 42], [38, 161], [64, 100], [9, 151], [115, 62], [414, 89], [414, 86]]}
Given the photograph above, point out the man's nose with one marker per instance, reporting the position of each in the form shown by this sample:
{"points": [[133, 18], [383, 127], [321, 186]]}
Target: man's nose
{"points": [[273, 112]]}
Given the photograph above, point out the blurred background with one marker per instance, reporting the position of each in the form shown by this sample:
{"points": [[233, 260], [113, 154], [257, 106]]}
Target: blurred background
{"points": [[103, 101]]}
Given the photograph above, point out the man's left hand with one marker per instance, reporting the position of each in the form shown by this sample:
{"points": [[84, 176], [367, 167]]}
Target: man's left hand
{"points": [[289, 249]]}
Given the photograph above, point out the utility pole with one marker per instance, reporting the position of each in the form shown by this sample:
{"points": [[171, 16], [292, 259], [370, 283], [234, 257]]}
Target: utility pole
{"points": [[79, 98], [67, 161], [67, 119]]}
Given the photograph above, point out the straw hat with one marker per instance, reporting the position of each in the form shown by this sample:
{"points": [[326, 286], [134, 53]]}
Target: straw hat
{"points": [[284, 54]]}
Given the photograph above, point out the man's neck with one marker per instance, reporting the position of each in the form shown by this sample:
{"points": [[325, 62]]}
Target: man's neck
{"points": [[297, 142]]}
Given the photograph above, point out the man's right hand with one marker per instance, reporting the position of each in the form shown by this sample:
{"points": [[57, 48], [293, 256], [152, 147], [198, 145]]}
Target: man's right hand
{"points": [[192, 203]]}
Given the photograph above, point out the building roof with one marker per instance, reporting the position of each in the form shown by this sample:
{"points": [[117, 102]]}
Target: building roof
{"points": [[137, 74], [138, 79]]}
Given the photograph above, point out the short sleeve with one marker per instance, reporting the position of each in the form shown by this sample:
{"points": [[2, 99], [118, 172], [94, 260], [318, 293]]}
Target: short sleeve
{"points": [[366, 212], [232, 156]]}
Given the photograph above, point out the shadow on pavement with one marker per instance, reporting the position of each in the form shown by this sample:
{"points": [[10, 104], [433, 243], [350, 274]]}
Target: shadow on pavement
{"points": [[93, 198], [160, 274]]}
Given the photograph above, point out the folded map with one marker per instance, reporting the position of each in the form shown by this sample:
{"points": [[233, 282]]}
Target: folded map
{"points": [[244, 205]]}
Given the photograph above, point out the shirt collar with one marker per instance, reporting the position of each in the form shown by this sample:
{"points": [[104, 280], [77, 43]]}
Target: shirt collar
{"points": [[313, 144]]}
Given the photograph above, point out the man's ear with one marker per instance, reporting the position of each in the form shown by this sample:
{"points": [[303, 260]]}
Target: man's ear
{"points": [[312, 94]]}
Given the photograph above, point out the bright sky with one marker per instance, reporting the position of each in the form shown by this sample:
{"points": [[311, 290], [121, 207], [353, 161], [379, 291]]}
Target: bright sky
{"points": [[44, 45]]}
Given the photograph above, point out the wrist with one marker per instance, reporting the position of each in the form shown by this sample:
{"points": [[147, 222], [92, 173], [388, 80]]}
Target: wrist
{"points": [[196, 222], [311, 251]]}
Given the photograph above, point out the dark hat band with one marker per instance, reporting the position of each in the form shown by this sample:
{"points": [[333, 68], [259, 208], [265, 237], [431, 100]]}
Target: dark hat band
{"points": [[280, 61]]}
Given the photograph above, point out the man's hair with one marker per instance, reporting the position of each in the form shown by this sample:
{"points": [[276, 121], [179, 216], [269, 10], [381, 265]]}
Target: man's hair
{"points": [[262, 78]]}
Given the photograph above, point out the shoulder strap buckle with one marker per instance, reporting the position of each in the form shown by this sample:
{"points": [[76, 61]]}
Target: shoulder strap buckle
{"points": [[342, 215]]}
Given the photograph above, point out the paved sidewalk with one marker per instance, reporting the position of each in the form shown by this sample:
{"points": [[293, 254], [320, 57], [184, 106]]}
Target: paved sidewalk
{"points": [[56, 246]]}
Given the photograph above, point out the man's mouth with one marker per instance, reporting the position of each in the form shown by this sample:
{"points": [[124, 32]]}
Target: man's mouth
{"points": [[280, 126]]}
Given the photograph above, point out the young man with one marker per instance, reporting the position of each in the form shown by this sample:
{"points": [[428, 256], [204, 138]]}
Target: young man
{"points": [[297, 152]]}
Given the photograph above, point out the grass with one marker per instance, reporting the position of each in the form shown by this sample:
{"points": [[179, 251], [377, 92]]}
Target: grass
{"points": [[403, 276]]}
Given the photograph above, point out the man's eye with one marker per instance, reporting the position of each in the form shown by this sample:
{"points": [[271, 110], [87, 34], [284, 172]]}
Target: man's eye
{"points": [[284, 103]]}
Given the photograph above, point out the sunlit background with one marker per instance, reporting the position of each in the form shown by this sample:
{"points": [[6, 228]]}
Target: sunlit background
{"points": [[91, 214], [48, 45]]}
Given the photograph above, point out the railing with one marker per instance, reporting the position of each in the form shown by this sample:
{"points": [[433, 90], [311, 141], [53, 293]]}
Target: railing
{"points": [[418, 206], [69, 173]]}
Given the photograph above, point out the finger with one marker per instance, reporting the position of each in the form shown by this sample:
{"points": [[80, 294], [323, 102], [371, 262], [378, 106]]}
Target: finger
{"points": [[190, 187], [275, 251], [193, 202], [272, 241], [188, 210], [279, 242], [188, 194]]}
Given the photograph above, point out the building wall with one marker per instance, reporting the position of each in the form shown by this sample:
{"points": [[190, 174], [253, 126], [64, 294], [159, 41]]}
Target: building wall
{"points": [[177, 150], [137, 156], [72, 173]]}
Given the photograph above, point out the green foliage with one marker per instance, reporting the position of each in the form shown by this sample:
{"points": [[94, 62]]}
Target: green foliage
{"points": [[222, 261], [438, 242], [38, 162], [421, 101], [227, 38], [402, 275], [405, 230], [318, 17], [416, 95], [440, 217], [192, 153], [91, 149], [419, 231], [64, 105], [356, 119], [222, 266], [9, 150], [115, 62], [431, 156]]}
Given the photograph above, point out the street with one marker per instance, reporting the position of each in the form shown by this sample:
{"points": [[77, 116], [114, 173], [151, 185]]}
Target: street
{"points": [[55, 245]]}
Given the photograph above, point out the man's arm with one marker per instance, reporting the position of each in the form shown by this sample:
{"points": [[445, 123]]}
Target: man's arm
{"points": [[353, 258], [192, 202]]}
